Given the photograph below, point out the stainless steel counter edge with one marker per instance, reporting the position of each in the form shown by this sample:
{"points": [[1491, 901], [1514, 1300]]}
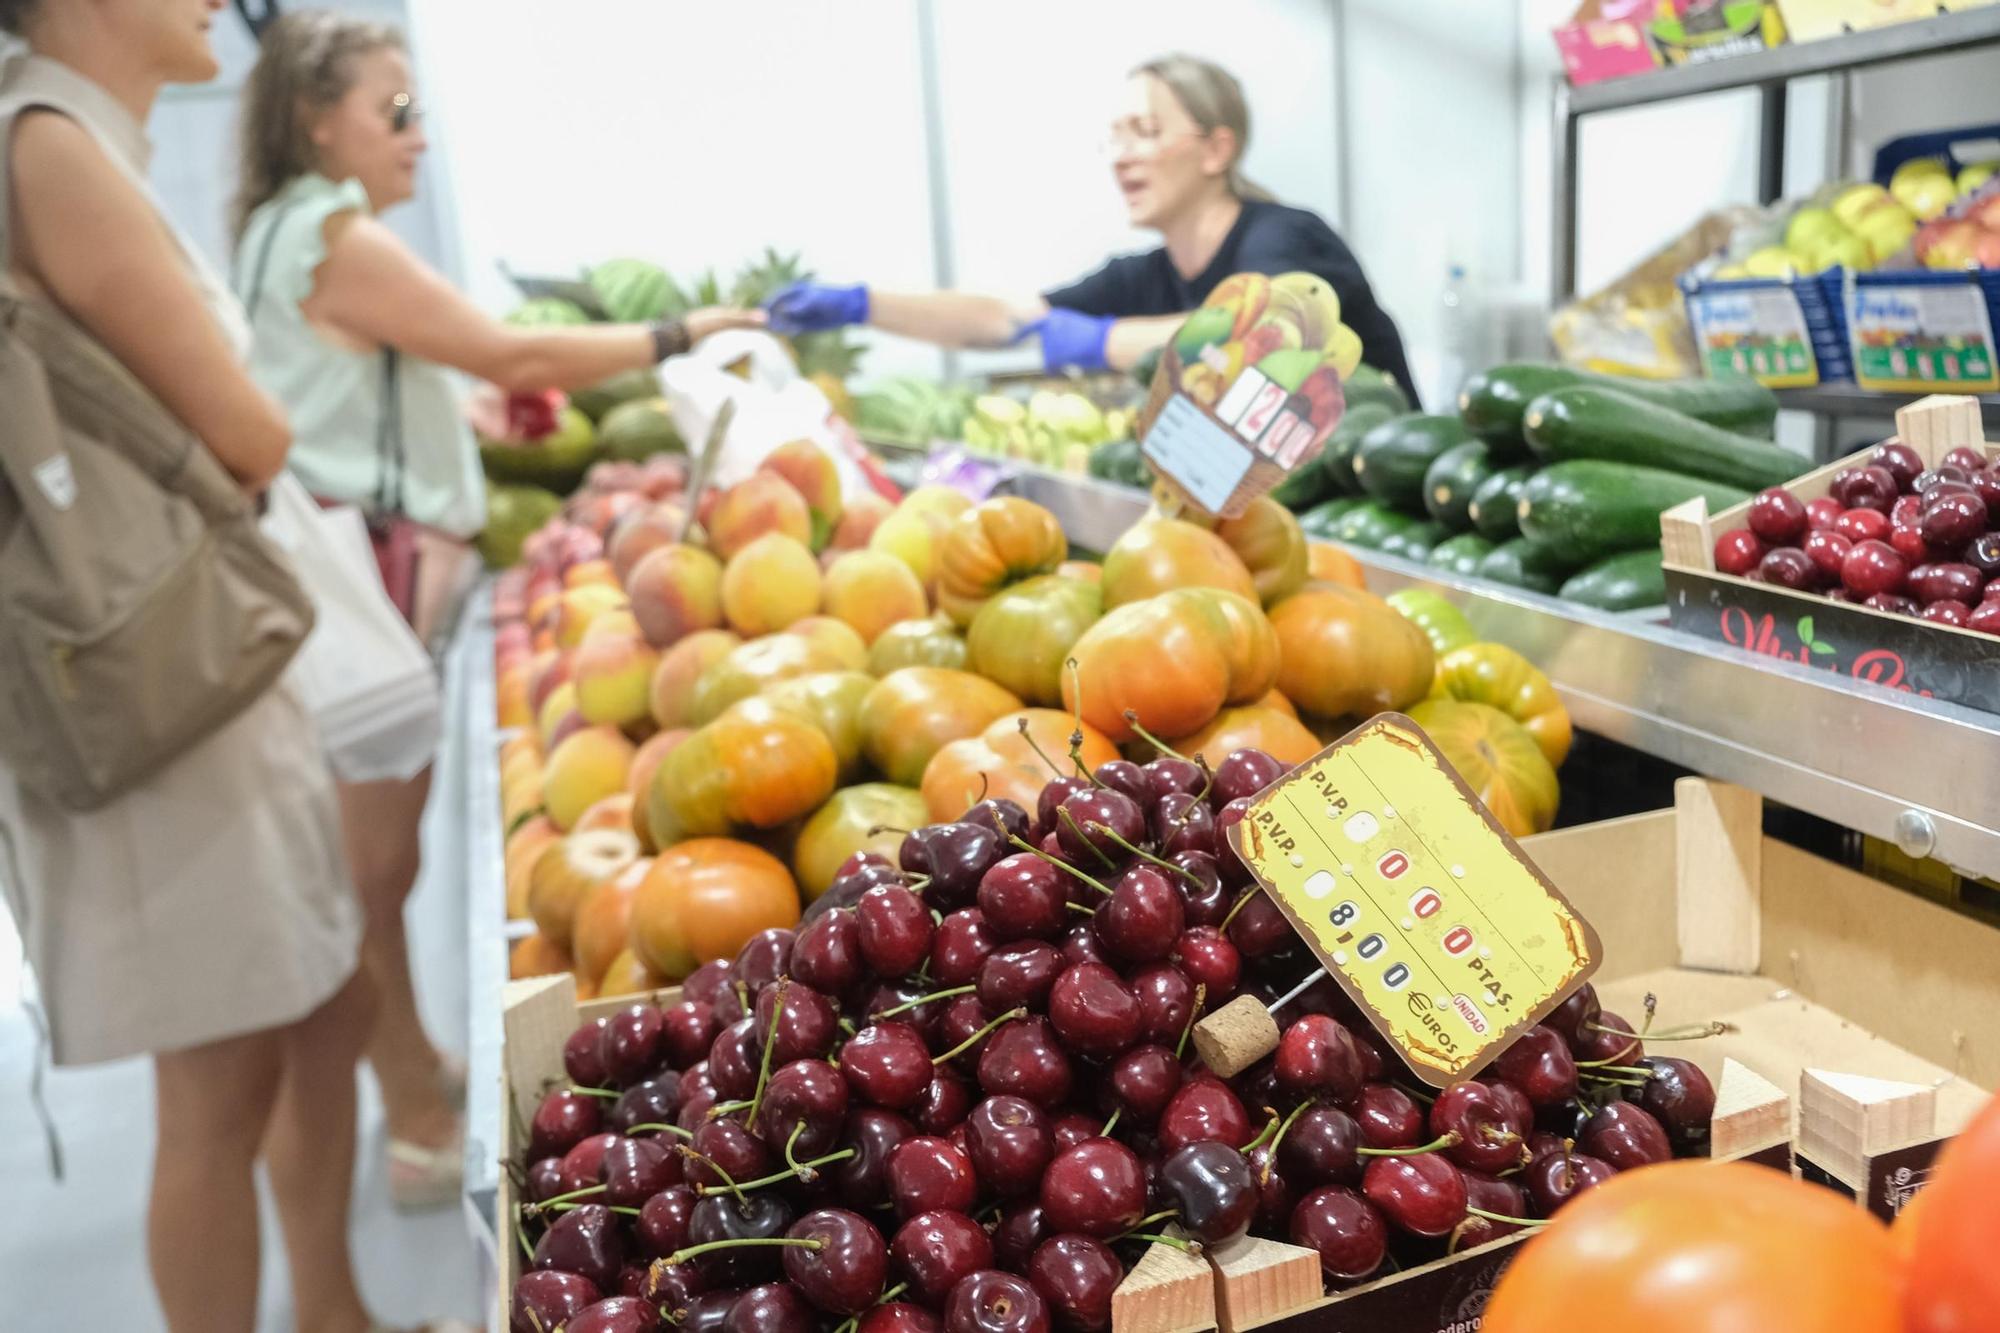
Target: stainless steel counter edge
{"points": [[1860, 755]]}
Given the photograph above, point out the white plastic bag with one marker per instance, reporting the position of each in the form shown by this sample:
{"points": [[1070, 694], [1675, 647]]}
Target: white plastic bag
{"points": [[362, 673], [774, 405]]}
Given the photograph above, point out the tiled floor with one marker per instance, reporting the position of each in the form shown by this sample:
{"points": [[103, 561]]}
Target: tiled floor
{"points": [[72, 1254]]}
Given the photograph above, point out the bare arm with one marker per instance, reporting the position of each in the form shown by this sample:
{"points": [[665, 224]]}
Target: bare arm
{"points": [[954, 319], [372, 287], [89, 239], [1131, 339]]}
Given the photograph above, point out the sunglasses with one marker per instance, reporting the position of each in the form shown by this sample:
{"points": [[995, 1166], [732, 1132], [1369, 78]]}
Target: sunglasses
{"points": [[404, 111]]}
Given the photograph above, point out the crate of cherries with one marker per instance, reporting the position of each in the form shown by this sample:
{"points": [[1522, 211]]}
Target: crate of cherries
{"points": [[1890, 533], [960, 1097]]}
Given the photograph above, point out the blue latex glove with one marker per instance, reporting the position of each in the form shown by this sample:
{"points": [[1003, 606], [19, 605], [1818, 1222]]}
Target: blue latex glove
{"points": [[811, 307], [1070, 338]]}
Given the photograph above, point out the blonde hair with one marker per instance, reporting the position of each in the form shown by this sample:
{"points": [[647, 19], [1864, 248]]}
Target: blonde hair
{"points": [[1213, 98], [305, 64]]}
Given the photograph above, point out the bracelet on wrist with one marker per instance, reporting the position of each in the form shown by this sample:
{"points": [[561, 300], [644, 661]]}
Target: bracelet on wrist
{"points": [[670, 338]]}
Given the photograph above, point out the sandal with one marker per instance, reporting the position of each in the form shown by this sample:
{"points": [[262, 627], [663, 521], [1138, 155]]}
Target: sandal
{"points": [[422, 1178]]}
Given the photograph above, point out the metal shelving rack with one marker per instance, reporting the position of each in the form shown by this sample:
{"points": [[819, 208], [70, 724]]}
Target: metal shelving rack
{"points": [[1769, 72]]}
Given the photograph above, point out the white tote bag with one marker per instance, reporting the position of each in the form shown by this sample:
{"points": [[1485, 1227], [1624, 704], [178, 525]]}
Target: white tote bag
{"points": [[362, 673]]}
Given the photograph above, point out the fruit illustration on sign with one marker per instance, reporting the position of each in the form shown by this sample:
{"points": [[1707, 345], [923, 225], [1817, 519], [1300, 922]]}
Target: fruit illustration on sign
{"points": [[1205, 327], [1245, 296], [1289, 367]]}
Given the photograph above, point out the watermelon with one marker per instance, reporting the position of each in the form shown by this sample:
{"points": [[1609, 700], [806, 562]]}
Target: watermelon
{"points": [[636, 431], [632, 291], [597, 401], [545, 312], [555, 462]]}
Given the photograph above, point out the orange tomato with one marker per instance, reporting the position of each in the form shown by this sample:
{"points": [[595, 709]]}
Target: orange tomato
{"points": [[703, 899], [1953, 1283], [1158, 555], [999, 762], [991, 545], [604, 921], [1494, 674], [536, 956], [1498, 759], [1345, 651], [1276, 699], [1327, 563], [1174, 661], [845, 825], [913, 713], [1278, 734], [756, 766], [626, 975], [1707, 1247], [1267, 539]]}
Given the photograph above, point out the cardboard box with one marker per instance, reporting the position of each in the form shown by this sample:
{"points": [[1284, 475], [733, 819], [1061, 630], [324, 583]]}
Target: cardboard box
{"points": [[1901, 652], [1609, 39], [1810, 20], [1815, 970]]}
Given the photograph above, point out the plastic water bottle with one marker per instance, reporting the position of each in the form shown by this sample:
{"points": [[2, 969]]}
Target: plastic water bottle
{"points": [[1455, 334]]}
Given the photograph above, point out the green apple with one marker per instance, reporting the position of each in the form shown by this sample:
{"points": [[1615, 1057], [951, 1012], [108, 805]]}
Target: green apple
{"points": [[1205, 327], [1288, 366], [1855, 200], [1810, 228]]}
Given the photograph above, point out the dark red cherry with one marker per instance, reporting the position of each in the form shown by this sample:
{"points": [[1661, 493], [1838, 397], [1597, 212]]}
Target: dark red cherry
{"points": [[631, 1043], [1318, 1057], [962, 1027], [806, 1022], [1322, 1148], [1625, 1136], [805, 1105], [1208, 959], [1243, 774], [562, 1120], [887, 1064], [1142, 918], [1554, 1179], [1490, 1139], [1077, 1277], [1072, 1127], [847, 1271], [959, 855], [616, 1314], [1019, 975], [862, 1180], [927, 1174], [1140, 1083], [586, 1160], [1346, 1230], [1097, 1188], [1423, 1195], [959, 946], [760, 1215], [1260, 928], [1205, 899], [581, 1060], [900, 1317], [1053, 794], [546, 1179], [1079, 820], [1122, 775], [1680, 1096], [1899, 460], [1275, 1195], [1183, 822], [1579, 1007], [827, 954], [764, 958], [1204, 1108], [1166, 1002], [544, 1300], [1503, 1197], [1009, 1143], [1539, 1063], [734, 1058], [945, 1103], [772, 1307], [1024, 897], [990, 1301], [688, 1030], [1211, 1185], [1017, 1233], [586, 1241], [662, 1224], [999, 812], [1093, 1010], [729, 1145], [1025, 1059], [935, 1251], [637, 1169]]}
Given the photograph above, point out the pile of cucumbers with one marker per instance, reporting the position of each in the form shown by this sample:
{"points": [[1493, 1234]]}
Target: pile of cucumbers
{"points": [[1547, 478]]}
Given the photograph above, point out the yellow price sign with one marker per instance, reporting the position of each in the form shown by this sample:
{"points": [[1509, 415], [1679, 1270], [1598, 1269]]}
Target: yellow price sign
{"points": [[1432, 918]]}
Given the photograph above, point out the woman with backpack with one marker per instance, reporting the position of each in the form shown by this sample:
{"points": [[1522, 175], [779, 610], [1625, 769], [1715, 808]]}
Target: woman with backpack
{"points": [[180, 889]]}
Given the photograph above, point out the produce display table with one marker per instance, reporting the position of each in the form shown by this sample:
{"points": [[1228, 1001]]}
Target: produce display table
{"points": [[1916, 772]]}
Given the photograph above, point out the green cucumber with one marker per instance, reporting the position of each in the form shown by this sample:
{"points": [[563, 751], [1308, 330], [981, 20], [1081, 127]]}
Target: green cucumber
{"points": [[1369, 524], [1369, 385], [1415, 542], [1109, 462], [1393, 457], [1337, 459], [1521, 563], [1494, 510], [1586, 421], [1451, 480], [1493, 402], [1586, 509], [1303, 489], [1619, 582], [1319, 521], [1461, 554]]}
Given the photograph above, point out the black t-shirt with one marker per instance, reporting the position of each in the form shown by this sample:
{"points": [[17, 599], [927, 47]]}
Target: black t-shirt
{"points": [[1267, 238]]}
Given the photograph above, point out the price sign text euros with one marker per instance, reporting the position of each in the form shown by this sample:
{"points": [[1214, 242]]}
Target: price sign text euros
{"points": [[1432, 918]]}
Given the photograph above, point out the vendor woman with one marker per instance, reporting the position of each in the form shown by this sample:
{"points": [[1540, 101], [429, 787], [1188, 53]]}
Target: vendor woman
{"points": [[1175, 151]]}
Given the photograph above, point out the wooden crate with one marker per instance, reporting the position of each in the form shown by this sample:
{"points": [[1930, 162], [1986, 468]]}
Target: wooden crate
{"points": [[1859, 1025], [1900, 651], [1166, 1292]]}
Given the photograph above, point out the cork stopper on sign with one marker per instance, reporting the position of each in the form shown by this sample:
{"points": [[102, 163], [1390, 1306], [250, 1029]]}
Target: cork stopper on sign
{"points": [[1236, 1036]]}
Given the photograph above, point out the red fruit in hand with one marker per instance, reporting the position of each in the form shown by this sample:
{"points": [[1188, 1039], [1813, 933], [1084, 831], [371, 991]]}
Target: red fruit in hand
{"points": [[1873, 567], [1858, 525], [1738, 551], [1778, 516]]}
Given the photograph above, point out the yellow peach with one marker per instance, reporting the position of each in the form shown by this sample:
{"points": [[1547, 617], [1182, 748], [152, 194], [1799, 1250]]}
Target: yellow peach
{"points": [[584, 769], [858, 521], [577, 607], [640, 533], [681, 669], [812, 474], [675, 591], [838, 639], [912, 536], [761, 504], [561, 702], [614, 679], [872, 590], [770, 583]]}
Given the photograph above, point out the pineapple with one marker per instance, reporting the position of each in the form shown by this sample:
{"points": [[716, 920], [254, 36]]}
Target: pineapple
{"points": [[832, 354]]}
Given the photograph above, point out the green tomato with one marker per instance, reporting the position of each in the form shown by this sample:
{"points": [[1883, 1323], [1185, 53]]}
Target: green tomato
{"points": [[1442, 622]]}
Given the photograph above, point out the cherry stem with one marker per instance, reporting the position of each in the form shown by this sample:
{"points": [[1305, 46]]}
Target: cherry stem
{"points": [[1427, 1098], [1200, 999], [980, 1035], [1698, 1032], [521, 1234], [721, 1109], [1264, 1134], [1145, 855], [1076, 713], [776, 1177], [1069, 819], [1147, 1221], [922, 1000], [1185, 1246], [549, 1204], [804, 1173], [1297, 1111], [1064, 866], [874, 829], [611, 1093], [1079, 907], [1110, 1125], [1435, 1145], [728, 1185], [1208, 784], [572, 1207], [1132, 721], [770, 1044], [709, 1247], [1041, 754], [1076, 759], [658, 1127], [1533, 1223], [847, 1027], [1238, 906]]}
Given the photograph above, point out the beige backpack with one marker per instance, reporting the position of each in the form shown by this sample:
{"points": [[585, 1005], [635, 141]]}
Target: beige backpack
{"points": [[140, 607]]}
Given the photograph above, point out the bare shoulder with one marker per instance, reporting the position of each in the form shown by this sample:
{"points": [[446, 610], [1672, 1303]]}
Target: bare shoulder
{"points": [[53, 156], [354, 239]]}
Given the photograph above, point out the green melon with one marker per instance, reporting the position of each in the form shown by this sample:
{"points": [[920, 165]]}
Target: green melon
{"points": [[597, 401], [512, 515], [556, 462], [632, 291], [545, 312], [637, 431]]}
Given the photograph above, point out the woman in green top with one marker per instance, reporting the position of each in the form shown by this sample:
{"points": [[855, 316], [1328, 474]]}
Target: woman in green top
{"points": [[332, 136]]}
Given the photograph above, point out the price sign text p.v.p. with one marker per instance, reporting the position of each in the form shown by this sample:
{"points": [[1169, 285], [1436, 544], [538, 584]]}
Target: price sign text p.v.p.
{"points": [[1432, 919]]}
